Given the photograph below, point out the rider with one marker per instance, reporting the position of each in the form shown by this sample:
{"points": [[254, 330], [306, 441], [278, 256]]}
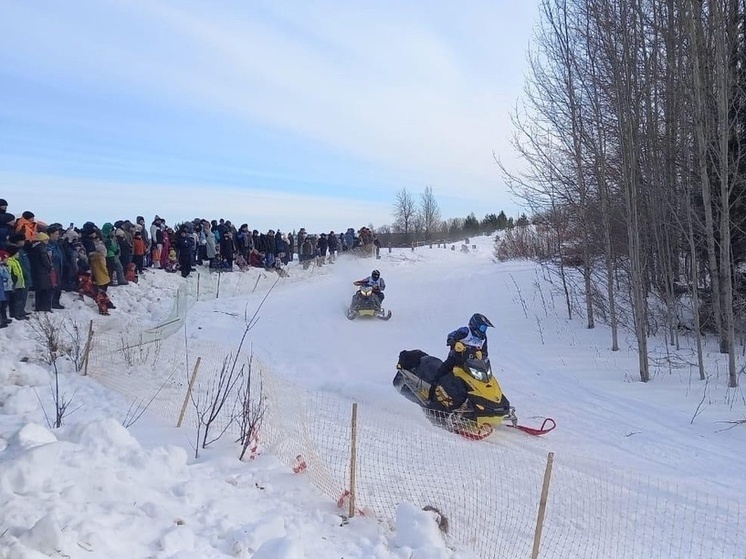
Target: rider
{"points": [[375, 281], [463, 343]]}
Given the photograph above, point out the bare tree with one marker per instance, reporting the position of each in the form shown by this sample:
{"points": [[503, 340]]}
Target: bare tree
{"points": [[209, 405], [405, 211], [429, 213], [253, 408], [47, 334]]}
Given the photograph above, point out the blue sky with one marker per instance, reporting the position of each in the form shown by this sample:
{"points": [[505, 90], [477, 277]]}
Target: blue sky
{"points": [[278, 114]]}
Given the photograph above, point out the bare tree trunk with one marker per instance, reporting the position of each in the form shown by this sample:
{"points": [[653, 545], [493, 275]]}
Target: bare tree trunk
{"points": [[701, 129], [723, 28], [625, 83], [695, 291]]}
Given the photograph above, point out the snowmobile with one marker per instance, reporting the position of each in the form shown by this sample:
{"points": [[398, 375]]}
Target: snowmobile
{"points": [[366, 303], [469, 402]]}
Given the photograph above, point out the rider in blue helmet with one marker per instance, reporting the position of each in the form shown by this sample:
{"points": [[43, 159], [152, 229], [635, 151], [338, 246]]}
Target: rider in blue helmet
{"points": [[472, 337]]}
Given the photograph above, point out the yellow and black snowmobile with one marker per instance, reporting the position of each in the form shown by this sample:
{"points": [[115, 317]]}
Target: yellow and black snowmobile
{"points": [[366, 303], [469, 401]]}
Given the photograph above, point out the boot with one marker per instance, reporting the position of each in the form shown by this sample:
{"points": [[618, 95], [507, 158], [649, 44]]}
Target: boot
{"points": [[4, 320]]}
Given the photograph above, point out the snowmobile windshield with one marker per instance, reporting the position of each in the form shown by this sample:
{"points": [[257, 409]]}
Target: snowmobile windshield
{"points": [[479, 369]]}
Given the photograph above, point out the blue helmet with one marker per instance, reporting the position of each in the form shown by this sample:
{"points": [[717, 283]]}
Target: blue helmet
{"points": [[478, 324]]}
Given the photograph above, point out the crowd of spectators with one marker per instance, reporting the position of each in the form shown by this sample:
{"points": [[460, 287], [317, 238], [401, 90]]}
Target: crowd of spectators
{"points": [[48, 258]]}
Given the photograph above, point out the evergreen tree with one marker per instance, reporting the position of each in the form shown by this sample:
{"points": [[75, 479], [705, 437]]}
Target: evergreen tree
{"points": [[471, 224]]}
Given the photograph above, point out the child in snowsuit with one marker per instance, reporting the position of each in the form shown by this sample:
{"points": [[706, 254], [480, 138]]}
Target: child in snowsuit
{"points": [[86, 287], [6, 289]]}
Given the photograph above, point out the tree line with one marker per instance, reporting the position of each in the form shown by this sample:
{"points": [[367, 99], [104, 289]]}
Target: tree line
{"points": [[420, 220], [633, 128]]}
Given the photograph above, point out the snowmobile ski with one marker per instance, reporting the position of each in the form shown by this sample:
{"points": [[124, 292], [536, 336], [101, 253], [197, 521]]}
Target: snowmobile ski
{"points": [[548, 424]]}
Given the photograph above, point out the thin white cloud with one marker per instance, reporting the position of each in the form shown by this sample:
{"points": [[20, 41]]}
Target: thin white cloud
{"points": [[64, 200], [383, 85]]}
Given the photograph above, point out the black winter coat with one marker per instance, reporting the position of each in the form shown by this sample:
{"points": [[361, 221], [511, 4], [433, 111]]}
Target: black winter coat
{"points": [[41, 266]]}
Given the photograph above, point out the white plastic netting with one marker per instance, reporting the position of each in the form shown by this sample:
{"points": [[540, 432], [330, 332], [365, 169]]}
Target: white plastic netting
{"points": [[488, 491]]}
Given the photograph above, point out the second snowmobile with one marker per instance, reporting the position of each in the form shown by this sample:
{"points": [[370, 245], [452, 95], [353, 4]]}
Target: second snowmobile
{"points": [[366, 303]]}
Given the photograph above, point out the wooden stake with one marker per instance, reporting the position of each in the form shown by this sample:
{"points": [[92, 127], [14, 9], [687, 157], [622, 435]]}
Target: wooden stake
{"points": [[542, 506], [87, 351], [189, 392], [353, 459]]}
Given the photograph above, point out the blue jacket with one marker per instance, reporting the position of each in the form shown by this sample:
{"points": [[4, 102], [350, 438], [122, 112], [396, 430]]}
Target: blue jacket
{"points": [[57, 258], [6, 282]]}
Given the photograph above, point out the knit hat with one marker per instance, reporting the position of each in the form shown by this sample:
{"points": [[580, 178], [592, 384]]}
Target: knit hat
{"points": [[53, 228], [3, 202], [71, 235], [42, 237]]}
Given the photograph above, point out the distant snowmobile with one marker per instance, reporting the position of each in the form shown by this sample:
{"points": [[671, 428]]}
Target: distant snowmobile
{"points": [[366, 303]]}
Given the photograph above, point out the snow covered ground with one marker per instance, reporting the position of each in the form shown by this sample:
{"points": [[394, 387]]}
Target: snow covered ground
{"points": [[93, 488]]}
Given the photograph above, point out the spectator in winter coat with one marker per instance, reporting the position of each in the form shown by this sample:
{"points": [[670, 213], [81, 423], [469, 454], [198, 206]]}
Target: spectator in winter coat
{"points": [[125, 237], [96, 250], [321, 246], [168, 234], [257, 240], [113, 253], [269, 243], [27, 225], [18, 242], [227, 250], [255, 259], [20, 292], [211, 250], [282, 247], [333, 242], [140, 226], [156, 241], [349, 239], [56, 256], [184, 249], [244, 243], [302, 236], [291, 246], [307, 252], [42, 271], [70, 243], [6, 289], [139, 250], [7, 223]]}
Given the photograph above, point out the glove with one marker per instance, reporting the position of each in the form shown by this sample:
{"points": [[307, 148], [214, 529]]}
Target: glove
{"points": [[450, 342]]}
